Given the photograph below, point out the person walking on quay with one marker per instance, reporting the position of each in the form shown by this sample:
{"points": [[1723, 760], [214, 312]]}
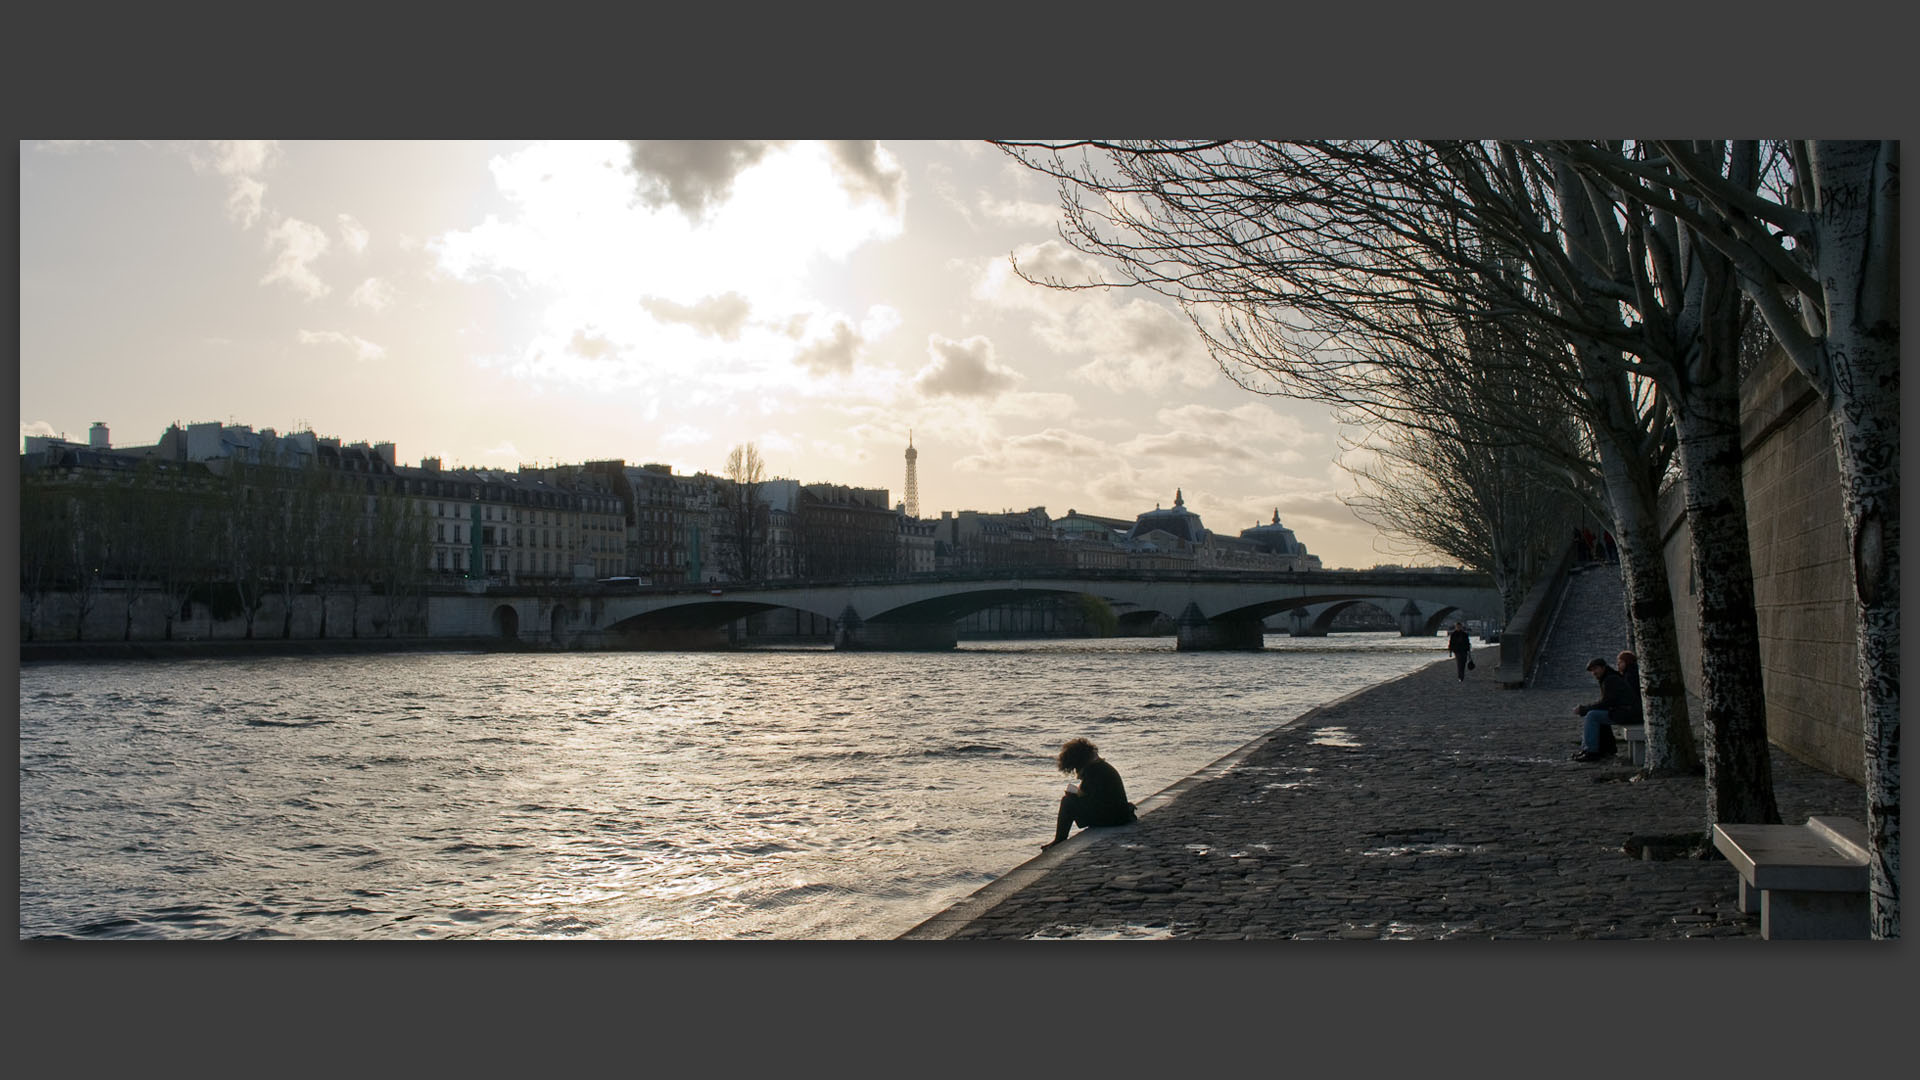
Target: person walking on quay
{"points": [[1616, 706], [1461, 646], [1098, 799]]}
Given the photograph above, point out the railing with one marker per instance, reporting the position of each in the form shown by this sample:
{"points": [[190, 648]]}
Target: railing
{"points": [[1520, 642], [1462, 578]]}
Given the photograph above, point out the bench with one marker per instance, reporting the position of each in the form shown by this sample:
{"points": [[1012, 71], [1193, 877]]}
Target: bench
{"points": [[1635, 736], [1805, 881]]}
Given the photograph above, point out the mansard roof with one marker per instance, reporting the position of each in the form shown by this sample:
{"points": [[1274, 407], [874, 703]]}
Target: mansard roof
{"points": [[1178, 522]]}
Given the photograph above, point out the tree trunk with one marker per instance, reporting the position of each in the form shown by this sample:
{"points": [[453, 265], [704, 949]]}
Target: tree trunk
{"points": [[1669, 729], [1858, 260], [1739, 760]]}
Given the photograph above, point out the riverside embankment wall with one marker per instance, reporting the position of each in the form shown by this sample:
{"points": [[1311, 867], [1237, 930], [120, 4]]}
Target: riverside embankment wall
{"points": [[54, 618], [1801, 572]]}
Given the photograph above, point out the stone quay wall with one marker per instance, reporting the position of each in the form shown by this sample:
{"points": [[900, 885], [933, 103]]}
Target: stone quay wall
{"points": [[1802, 572]]}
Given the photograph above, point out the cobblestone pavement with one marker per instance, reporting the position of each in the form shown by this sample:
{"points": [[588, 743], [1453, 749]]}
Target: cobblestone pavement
{"points": [[1423, 808]]}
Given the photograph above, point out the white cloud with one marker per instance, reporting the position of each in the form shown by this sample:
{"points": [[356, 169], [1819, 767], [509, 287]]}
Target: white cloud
{"points": [[241, 162], [363, 349], [353, 234], [964, 369], [299, 245], [866, 168], [375, 294], [716, 316], [37, 427], [1139, 345], [684, 435], [244, 201], [694, 274], [506, 451], [1018, 211]]}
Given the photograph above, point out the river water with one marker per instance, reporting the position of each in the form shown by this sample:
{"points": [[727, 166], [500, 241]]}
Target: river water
{"points": [[783, 794]]}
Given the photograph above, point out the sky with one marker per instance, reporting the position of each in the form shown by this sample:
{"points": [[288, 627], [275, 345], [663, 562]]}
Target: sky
{"points": [[528, 303]]}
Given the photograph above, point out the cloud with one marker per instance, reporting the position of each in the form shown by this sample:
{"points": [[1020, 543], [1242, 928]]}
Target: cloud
{"points": [[1053, 444], [506, 451], [866, 168], [834, 353], [300, 244], [37, 427], [684, 435], [996, 281], [1035, 406], [692, 174], [244, 201], [591, 346], [1018, 211], [375, 294], [363, 349], [964, 369], [240, 161], [1195, 445], [1139, 345], [1055, 261], [353, 234], [715, 316], [1253, 421]]}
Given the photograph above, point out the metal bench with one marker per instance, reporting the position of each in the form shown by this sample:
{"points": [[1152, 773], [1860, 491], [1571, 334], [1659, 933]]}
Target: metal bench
{"points": [[1805, 881]]}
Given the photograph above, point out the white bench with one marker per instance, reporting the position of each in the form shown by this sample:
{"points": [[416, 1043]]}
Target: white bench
{"points": [[1635, 736], [1805, 881]]}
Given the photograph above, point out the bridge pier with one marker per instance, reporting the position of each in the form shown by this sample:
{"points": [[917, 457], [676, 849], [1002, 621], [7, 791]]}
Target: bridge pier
{"points": [[1197, 633], [1412, 622], [1301, 623]]}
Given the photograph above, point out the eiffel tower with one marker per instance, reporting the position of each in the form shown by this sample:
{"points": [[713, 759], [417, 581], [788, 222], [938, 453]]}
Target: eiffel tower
{"points": [[913, 479]]}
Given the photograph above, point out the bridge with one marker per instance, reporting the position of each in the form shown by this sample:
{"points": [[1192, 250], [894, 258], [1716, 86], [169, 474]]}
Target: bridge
{"points": [[1211, 609]]}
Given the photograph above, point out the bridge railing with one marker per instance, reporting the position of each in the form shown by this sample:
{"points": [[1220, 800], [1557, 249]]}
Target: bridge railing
{"points": [[1021, 573]]}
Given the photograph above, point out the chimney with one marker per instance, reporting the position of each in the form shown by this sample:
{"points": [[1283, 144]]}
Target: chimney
{"points": [[97, 436]]}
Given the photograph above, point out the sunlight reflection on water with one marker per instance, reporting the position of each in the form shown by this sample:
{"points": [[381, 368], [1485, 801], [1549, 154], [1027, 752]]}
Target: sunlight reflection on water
{"points": [[793, 793]]}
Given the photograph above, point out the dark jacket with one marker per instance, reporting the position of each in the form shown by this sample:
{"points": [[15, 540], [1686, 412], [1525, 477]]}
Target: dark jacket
{"points": [[1621, 702], [1631, 674], [1459, 644], [1103, 798]]}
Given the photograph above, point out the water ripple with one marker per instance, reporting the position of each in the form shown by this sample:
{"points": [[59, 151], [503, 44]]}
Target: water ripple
{"points": [[768, 793]]}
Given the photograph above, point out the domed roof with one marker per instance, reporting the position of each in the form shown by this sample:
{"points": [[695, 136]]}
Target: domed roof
{"points": [[1275, 537], [1179, 522]]}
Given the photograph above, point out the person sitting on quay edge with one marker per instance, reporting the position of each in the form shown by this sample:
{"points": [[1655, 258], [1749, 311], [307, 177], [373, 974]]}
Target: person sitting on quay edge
{"points": [[1461, 646], [1616, 706], [1098, 799]]}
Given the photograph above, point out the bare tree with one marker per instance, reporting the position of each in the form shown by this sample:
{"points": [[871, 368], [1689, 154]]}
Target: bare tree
{"points": [[1813, 231], [1491, 504], [749, 517], [1319, 270]]}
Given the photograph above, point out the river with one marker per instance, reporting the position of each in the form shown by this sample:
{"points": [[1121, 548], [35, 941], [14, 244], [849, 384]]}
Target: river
{"points": [[772, 794]]}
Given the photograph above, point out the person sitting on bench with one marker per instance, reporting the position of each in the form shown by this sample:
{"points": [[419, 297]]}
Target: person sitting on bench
{"points": [[1616, 706]]}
